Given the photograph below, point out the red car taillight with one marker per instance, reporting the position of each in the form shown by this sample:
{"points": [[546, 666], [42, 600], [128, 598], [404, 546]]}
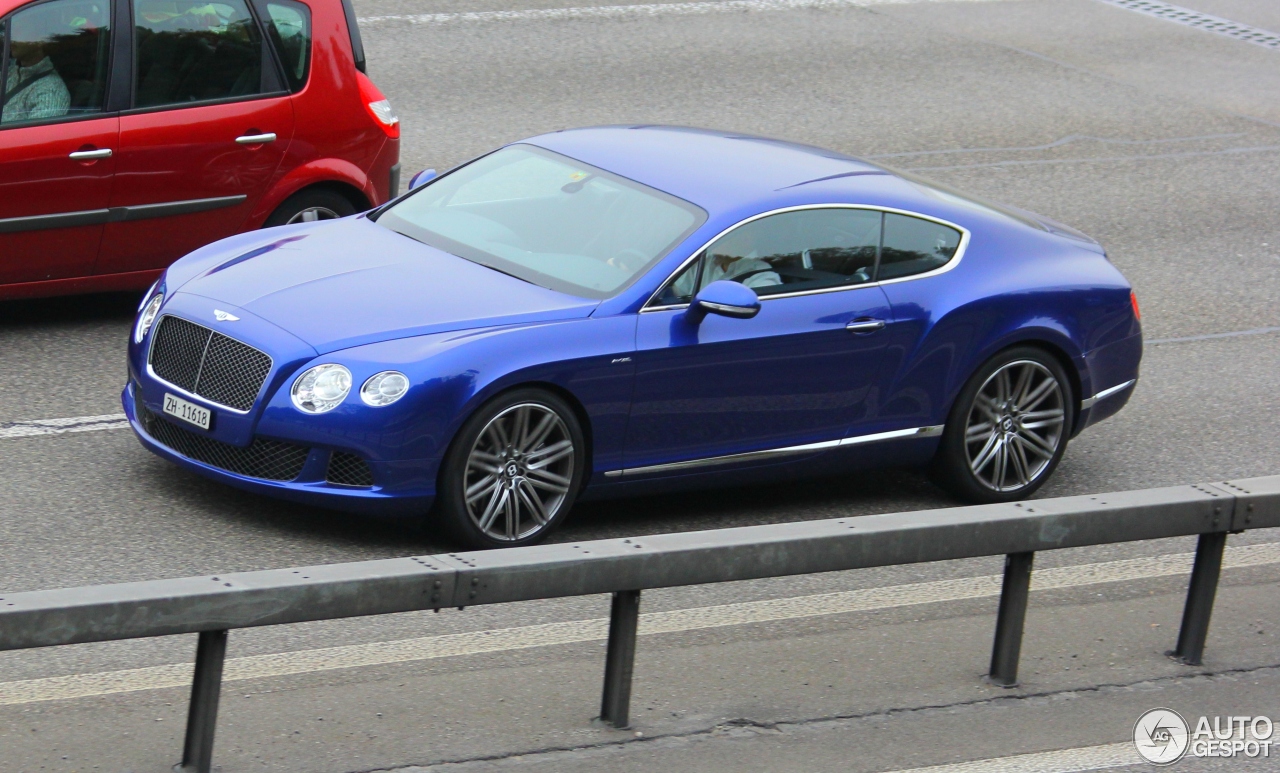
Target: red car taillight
{"points": [[1133, 298], [378, 107]]}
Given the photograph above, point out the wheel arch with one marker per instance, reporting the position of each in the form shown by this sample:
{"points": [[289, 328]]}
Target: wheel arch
{"points": [[343, 176], [574, 403], [1050, 346]]}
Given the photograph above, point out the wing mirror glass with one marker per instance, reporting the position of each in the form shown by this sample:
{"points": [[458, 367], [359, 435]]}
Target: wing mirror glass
{"points": [[422, 178], [728, 299]]}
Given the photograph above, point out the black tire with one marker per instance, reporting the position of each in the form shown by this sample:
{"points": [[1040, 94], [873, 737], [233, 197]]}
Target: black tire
{"points": [[524, 471], [1019, 435], [324, 203]]}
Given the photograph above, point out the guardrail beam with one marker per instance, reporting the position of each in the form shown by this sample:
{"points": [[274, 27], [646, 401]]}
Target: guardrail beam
{"points": [[620, 659], [1014, 594], [202, 714]]}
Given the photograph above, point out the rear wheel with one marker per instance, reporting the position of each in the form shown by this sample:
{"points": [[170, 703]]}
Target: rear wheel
{"points": [[513, 471], [1008, 429], [309, 205]]}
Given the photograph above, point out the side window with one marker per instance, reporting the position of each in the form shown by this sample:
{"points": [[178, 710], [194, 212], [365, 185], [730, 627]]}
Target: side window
{"points": [[914, 246], [193, 51], [810, 249], [682, 288], [56, 58], [289, 27]]}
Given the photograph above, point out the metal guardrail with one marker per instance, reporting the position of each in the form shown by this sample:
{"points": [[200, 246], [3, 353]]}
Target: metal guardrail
{"points": [[213, 605]]}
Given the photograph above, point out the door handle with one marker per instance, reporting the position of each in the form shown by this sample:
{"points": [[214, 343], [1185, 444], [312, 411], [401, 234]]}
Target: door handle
{"points": [[256, 139], [90, 155], [865, 325]]}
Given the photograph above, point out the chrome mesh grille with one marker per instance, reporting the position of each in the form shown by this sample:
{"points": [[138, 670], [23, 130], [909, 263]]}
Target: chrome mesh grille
{"points": [[207, 363], [348, 470], [266, 459], [178, 350]]}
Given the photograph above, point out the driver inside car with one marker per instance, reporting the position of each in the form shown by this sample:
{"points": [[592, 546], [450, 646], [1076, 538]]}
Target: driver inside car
{"points": [[33, 89], [735, 258]]}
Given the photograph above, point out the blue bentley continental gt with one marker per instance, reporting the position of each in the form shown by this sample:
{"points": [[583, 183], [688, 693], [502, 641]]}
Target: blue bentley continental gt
{"points": [[626, 309]]}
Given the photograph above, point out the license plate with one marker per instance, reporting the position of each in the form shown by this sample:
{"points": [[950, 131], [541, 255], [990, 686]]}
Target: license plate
{"points": [[188, 412]]}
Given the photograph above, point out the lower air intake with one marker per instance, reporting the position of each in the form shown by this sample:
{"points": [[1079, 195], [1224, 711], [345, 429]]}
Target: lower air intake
{"points": [[349, 470], [266, 459]]}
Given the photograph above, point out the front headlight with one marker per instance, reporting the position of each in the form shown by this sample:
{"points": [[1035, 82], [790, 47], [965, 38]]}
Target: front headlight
{"points": [[321, 388], [146, 318], [147, 295], [384, 388]]}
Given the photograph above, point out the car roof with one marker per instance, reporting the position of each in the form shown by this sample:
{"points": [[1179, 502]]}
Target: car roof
{"points": [[717, 170]]}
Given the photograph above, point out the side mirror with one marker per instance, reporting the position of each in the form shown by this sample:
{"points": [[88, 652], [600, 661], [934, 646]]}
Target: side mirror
{"points": [[422, 178], [728, 299]]}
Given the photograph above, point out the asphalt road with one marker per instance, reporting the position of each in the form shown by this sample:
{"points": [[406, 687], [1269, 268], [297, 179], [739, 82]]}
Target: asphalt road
{"points": [[1160, 140]]}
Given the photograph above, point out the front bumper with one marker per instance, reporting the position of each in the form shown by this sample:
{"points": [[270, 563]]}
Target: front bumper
{"points": [[397, 486]]}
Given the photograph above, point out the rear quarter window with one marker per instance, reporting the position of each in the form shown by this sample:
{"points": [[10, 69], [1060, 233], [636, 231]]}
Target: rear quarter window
{"points": [[913, 245], [289, 28]]}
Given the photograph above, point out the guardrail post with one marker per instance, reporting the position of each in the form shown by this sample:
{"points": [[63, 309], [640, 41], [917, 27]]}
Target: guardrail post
{"points": [[620, 660], [202, 714], [1013, 613], [1204, 586]]}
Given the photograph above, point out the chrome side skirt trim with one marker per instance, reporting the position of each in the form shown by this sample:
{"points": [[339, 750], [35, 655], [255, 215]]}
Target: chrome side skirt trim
{"points": [[933, 431], [770, 453], [116, 214], [1104, 394]]}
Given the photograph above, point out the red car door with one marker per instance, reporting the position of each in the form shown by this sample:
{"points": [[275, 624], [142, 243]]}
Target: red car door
{"points": [[210, 124], [56, 157]]}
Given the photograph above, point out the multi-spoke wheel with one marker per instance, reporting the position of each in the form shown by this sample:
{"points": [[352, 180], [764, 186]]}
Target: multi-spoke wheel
{"points": [[1008, 429], [513, 471]]}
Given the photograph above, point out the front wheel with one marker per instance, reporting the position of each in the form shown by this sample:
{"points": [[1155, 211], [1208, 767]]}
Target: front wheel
{"points": [[513, 471], [1008, 429]]}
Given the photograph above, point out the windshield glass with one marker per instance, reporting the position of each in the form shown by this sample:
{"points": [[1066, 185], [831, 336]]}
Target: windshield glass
{"points": [[547, 219]]}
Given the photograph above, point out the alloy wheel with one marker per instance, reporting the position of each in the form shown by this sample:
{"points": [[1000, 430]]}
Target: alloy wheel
{"points": [[312, 214], [1015, 426], [518, 472]]}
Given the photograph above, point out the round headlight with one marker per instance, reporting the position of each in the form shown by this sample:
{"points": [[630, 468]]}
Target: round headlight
{"points": [[321, 388], [146, 318], [384, 388]]}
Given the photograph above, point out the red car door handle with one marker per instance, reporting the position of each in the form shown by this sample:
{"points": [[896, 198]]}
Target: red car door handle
{"points": [[90, 155], [256, 139]]}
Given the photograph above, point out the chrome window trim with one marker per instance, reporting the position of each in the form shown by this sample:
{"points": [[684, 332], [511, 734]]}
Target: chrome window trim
{"points": [[151, 338], [1104, 394], [768, 453], [961, 248]]}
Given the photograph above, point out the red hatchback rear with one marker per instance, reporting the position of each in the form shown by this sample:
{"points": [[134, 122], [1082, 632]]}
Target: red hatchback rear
{"points": [[135, 131]]}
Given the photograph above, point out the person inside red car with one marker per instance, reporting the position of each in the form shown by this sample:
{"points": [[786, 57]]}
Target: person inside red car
{"points": [[33, 89]]}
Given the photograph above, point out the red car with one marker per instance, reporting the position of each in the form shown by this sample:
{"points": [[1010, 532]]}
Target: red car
{"points": [[134, 131]]}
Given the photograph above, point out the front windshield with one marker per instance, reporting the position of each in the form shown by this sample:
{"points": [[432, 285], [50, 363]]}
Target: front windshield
{"points": [[547, 219]]}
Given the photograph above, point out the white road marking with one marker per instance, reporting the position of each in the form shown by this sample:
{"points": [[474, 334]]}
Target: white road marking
{"points": [[1113, 755], [59, 426], [574, 631], [1070, 139], [1101, 159], [639, 10], [1257, 331], [1203, 21]]}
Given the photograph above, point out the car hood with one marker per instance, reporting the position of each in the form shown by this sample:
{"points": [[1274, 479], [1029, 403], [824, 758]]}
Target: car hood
{"points": [[351, 282]]}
